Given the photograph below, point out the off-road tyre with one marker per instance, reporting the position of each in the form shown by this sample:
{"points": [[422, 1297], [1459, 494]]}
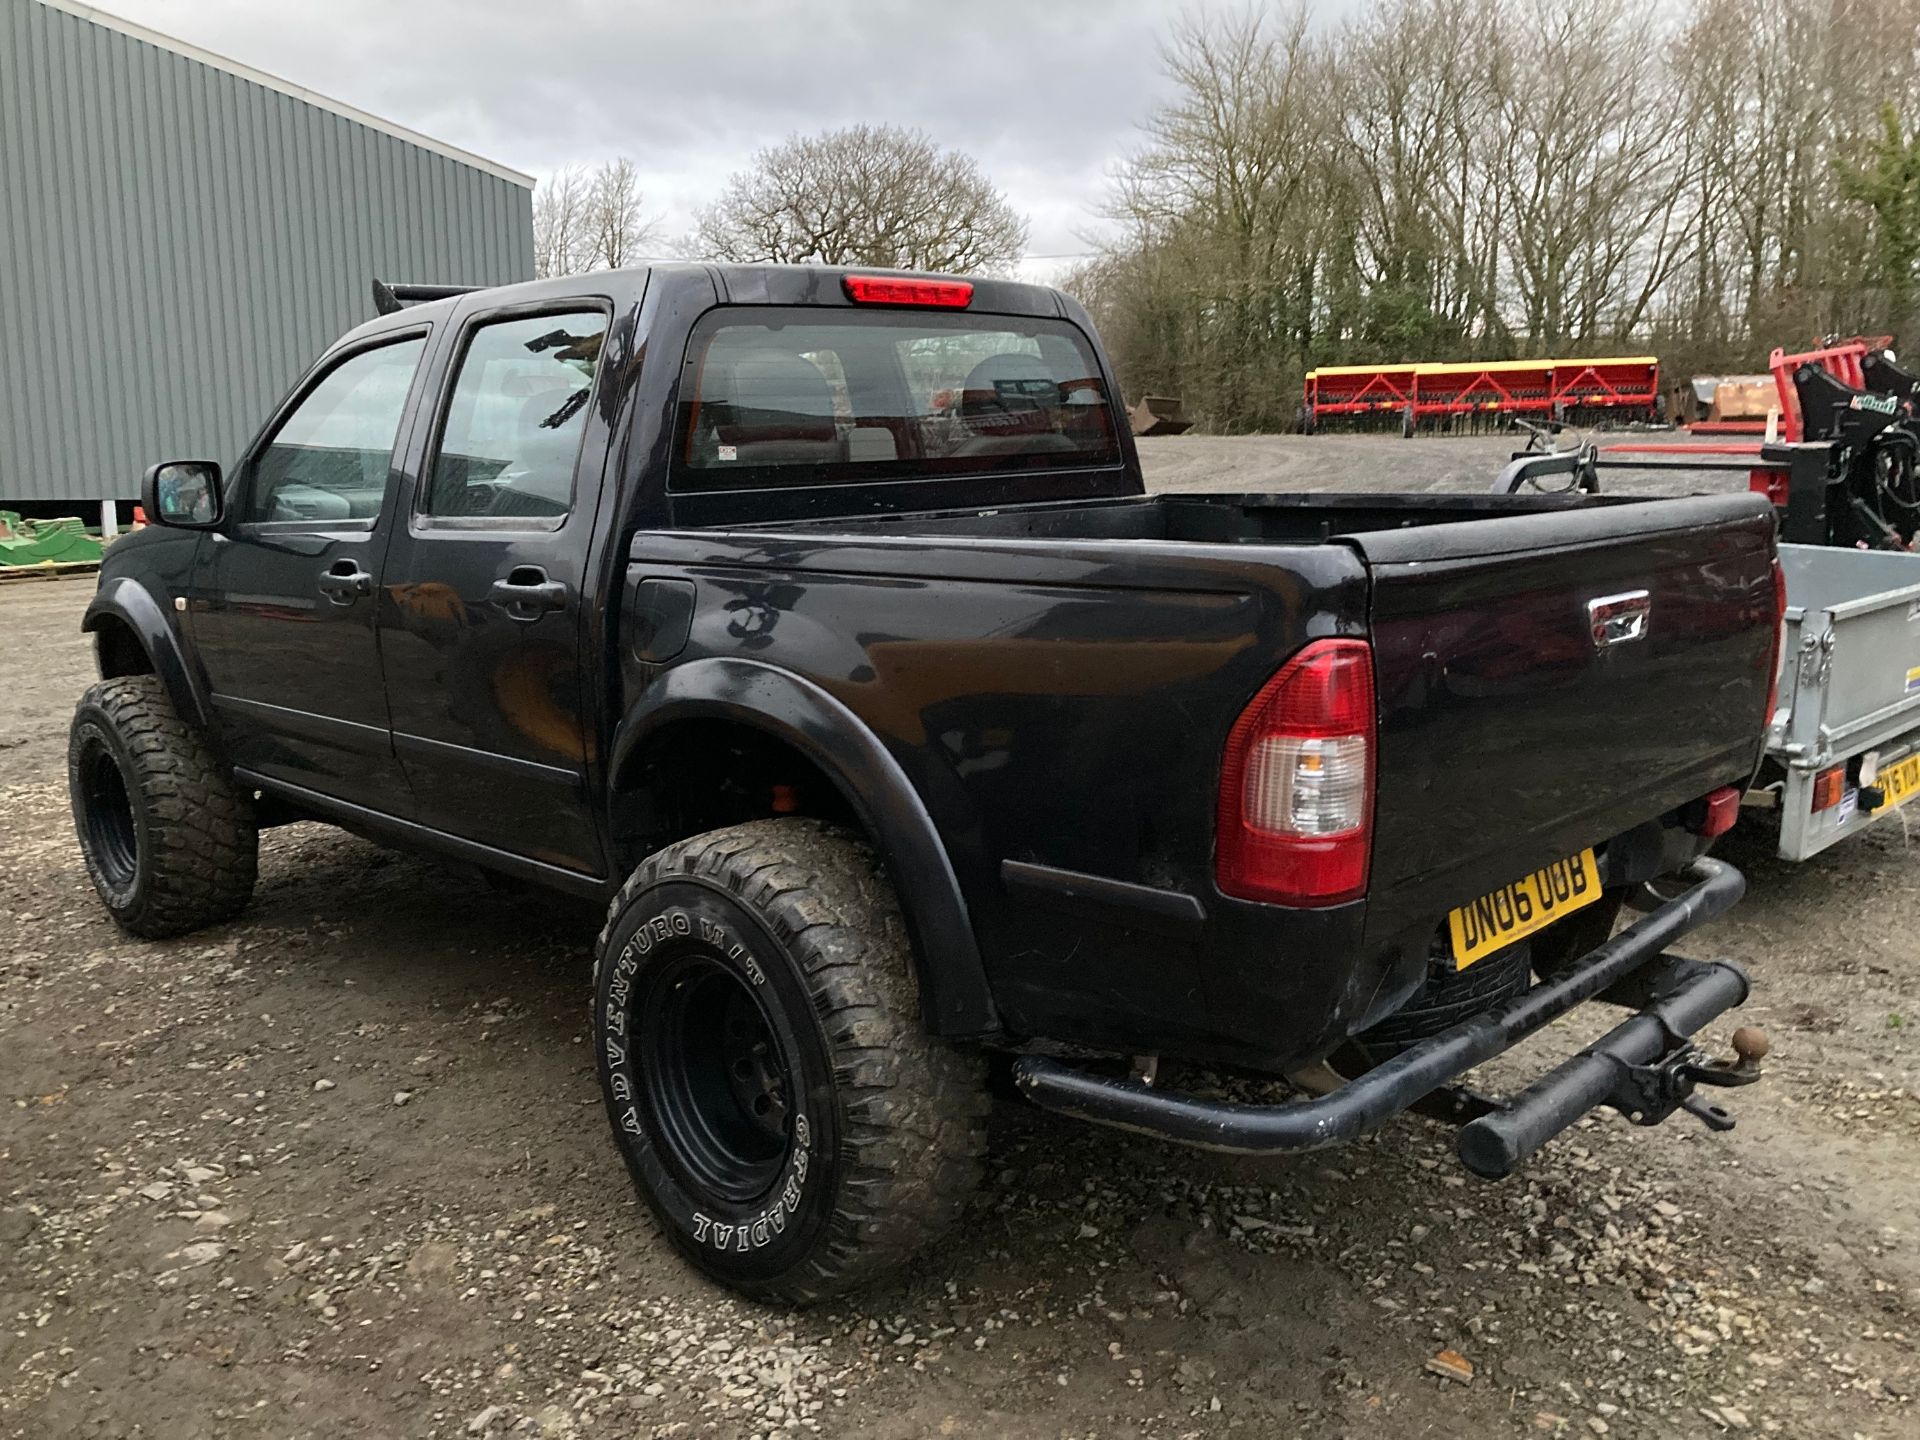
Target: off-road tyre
{"points": [[756, 1025], [169, 840]]}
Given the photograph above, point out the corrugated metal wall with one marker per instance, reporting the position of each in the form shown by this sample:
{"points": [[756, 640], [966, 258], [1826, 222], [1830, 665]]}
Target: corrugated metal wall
{"points": [[178, 242]]}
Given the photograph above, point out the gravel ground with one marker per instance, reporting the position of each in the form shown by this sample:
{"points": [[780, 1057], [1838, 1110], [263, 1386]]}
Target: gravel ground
{"points": [[339, 1169]]}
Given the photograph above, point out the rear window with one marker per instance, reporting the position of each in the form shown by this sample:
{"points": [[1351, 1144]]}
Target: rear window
{"points": [[811, 397]]}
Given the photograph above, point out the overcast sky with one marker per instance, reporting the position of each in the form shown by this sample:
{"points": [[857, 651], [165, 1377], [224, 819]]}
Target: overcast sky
{"points": [[1046, 94]]}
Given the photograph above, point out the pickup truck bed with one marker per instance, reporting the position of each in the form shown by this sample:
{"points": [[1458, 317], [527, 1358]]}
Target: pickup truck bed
{"points": [[1058, 681]]}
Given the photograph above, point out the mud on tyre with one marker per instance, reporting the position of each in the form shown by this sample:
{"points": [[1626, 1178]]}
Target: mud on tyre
{"points": [[169, 840], [756, 1025]]}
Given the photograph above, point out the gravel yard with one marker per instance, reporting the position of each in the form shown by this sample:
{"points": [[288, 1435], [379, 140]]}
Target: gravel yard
{"points": [[340, 1169]]}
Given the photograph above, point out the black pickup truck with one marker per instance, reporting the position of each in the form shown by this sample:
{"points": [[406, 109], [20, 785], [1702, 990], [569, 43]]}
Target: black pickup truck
{"points": [[819, 623]]}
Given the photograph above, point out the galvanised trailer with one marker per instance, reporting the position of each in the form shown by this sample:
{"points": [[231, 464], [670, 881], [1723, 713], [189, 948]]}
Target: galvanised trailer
{"points": [[1843, 749]]}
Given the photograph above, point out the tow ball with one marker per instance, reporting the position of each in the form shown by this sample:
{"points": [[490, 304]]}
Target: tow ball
{"points": [[1648, 1094]]}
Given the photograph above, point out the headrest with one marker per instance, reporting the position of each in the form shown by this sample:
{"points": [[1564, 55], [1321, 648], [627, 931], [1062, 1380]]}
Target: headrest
{"points": [[1009, 393], [774, 395]]}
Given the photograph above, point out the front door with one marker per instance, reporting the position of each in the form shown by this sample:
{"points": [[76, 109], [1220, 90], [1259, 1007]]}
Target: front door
{"points": [[283, 603], [481, 629]]}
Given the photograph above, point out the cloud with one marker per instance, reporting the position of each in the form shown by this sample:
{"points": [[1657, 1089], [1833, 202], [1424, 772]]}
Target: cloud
{"points": [[1045, 96]]}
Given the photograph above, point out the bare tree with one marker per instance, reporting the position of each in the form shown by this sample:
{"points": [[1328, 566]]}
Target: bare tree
{"points": [[615, 220], [868, 195], [589, 220], [1782, 95], [1414, 89], [560, 223], [1228, 218], [1886, 180], [1591, 168]]}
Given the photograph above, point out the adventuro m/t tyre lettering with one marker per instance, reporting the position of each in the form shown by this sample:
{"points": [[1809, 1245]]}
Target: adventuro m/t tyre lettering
{"points": [[689, 1144], [773, 1095]]}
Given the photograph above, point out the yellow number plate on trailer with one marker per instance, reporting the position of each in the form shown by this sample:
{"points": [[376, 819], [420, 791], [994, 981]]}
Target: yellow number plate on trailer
{"points": [[1900, 781], [1531, 903]]}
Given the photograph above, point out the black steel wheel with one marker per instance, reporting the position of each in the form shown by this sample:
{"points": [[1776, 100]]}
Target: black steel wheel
{"points": [[1448, 997], [717, 1081], [105, 812]]}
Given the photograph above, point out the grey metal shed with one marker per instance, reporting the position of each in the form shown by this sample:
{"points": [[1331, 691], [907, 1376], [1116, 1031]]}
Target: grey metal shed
{"points": [[180, 235]]}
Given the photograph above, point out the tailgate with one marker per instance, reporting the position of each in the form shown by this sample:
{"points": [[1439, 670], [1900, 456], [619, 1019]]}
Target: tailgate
{"points": [[1509, 736]]}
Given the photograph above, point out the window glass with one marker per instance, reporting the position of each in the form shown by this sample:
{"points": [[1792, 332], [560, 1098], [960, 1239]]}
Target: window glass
{"points": [[514, 423], [330, 458], [811, 397]]}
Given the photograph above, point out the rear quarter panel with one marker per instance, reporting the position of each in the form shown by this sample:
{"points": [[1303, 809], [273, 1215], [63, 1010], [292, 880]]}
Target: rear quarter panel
{"points": [[1058, 704]]}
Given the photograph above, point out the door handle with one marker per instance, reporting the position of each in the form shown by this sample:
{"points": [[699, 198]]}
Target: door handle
{"points": [[527, 594], [344, 582]]}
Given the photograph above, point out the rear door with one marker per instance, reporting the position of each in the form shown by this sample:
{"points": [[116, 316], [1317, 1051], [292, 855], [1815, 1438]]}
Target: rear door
{"points": [[481, 632], [284, 593], [1547, 681]]}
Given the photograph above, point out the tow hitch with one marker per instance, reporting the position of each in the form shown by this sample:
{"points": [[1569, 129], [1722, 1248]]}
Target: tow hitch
{"points": [[1647, 1067], [1648, 1094]]}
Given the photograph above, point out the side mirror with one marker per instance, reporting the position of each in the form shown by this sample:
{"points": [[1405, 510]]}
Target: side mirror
{"points": [[184, 493]]}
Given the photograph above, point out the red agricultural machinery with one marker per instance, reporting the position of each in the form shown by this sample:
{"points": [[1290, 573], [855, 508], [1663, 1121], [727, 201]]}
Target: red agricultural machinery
{"points": [[1480, 395], [1358, 397]]}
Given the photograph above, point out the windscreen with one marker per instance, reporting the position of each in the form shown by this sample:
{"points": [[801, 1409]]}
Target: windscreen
{"points": [[812, 397]]}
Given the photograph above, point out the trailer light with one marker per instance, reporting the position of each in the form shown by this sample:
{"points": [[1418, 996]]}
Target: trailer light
{"points": [[1719, 809], [1828, 787], [904, 290], [1295, 822]]}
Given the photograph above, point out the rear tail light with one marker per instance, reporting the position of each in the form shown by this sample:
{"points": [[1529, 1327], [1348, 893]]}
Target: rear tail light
{"points": [[1295, 822], [1829, 786], [903, 290], [1779, 633]]}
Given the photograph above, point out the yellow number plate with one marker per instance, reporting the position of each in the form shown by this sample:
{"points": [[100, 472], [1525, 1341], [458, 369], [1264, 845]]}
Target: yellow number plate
{"points": [[1900, 780], [1532, 903]]}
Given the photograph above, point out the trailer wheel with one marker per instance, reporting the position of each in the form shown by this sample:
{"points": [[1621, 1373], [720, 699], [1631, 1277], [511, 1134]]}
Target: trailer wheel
{"points": [[756, 1024], [169, 840]]}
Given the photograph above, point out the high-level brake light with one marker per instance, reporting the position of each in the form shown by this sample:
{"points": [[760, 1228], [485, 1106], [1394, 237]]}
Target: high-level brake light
{"points": [[1295, 819], [904, 290]]}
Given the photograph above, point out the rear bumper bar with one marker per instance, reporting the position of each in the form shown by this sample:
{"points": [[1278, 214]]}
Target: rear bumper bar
{"points": [[1645, 1066]]}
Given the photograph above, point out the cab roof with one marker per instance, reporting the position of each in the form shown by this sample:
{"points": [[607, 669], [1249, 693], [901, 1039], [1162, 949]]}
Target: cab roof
{"points": [[732, 284]]}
